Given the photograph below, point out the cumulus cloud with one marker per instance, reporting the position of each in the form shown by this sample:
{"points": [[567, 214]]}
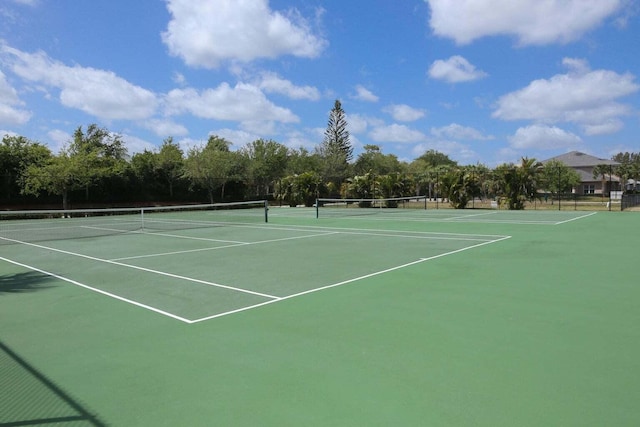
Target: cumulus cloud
{"points": [[136, 145], [58, 139], [396, 133], [238, 138], [543, 138], [532, 22], [458, 132], [206, 33], [455, 150], [272, 83], [10, 103], [243, 102], [581, 96], [404, 113], [455, 70], [97, 92], [165, 128], [364, 94]]}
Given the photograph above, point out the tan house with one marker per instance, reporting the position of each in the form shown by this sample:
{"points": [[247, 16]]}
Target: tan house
{"points": [[584, 164]]}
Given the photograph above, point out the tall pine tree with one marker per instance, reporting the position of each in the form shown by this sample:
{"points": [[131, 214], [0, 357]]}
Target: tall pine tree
{"points": [[336, 136], [336, 150]]}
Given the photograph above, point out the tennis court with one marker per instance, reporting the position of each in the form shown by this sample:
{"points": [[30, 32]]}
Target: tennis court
{"points": [[376, 317]]}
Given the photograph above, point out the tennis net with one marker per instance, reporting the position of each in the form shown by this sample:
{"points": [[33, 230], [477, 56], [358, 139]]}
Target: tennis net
{"points": [[326, 207], [43, 225]]}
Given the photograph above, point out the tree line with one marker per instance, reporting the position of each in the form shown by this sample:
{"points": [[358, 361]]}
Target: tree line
{"points": [[94, 168]]}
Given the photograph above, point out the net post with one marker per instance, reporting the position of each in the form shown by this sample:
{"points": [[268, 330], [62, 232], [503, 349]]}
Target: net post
{"points": [[425, 203], [317, 209], [266, 211]]}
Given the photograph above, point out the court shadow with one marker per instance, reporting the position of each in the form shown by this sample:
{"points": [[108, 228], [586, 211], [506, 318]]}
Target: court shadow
{"points": [[30, 398], [29, 281]]}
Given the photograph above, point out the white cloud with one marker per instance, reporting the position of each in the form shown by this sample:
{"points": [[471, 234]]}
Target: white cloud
{"points": [[357, 123], [606, 127], [404, 113], [205, 33], [396, 133], [136, 145], [272, 83], [97, 92], [10, 113], [4, 133], [27, 2], [455, 150], [13, 116], [532, 22], [243, 103], [179, 79], [584, 97], [455, 70], [238, 138], [187, 144], [364, 94], [456, 131], [59, 139], [165, 128], [543, 138], [309, 140]]}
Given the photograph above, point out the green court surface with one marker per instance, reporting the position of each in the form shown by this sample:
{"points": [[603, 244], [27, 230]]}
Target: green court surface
{"points": [[356, 318]]}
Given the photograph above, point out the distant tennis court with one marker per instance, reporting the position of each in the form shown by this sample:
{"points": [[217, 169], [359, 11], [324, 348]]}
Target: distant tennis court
{"points": [[339, 315]]}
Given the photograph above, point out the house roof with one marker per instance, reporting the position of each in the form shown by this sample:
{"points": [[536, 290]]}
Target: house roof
{"points": [[576, 159], [588, 176]]}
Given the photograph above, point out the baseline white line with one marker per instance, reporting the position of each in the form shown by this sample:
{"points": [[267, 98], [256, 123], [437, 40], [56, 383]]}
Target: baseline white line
{"points": [[148, 270], [366, 276], [109, 294], [573, 219]]}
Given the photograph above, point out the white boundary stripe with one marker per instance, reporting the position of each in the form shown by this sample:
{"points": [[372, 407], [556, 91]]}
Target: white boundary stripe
{"points": [[161, 234], [225, 246], [397, 233], [574, 219], [148, 270], [366, 276], [272, 300], [471, 215], [82, 285]]}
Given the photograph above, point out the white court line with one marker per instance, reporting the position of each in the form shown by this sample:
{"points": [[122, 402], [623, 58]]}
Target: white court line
{"points": [[413, 237], [160, 234], [366, 276], [573, 219], [223, 247], [444, 220], [393, 233], [472, 215], [148, 270], [272, 300], [82, 285]]}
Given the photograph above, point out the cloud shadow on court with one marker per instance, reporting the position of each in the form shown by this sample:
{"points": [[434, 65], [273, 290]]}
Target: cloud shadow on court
{"points": [[29, 281]]}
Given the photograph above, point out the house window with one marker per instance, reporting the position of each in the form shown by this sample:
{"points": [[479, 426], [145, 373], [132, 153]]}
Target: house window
{"points": [[589, 189]]}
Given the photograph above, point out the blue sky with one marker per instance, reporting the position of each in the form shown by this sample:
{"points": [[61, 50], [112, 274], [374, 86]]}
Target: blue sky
{"points": [[483, 81]]}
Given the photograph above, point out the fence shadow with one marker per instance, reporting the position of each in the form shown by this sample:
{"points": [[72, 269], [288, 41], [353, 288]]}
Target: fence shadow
{"points": [[29, 398], [29, 281]]}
